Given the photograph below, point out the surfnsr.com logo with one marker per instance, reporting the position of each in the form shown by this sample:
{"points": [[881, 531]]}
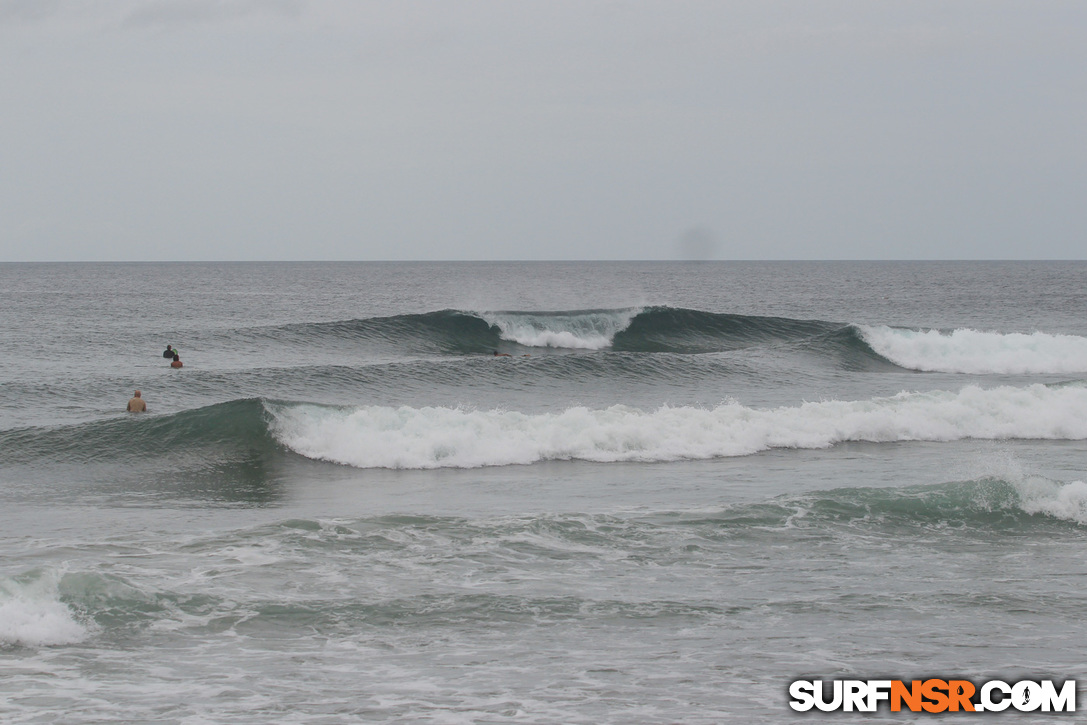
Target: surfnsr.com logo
{"points": [[932, 695]]}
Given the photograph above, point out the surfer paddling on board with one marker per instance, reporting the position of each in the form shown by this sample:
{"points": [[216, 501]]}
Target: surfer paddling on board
{"points": [[502, 354], [137, 404]]}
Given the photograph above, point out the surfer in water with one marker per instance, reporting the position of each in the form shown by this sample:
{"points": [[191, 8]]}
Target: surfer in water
{"points": [[137, 404], [169, 352], [502, 354], [177, 361]]}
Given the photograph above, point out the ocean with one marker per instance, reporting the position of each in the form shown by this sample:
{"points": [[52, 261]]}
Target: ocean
{"points": [[677, 488]]}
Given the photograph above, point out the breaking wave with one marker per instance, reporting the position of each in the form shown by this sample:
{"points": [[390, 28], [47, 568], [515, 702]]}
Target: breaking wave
{"points": [[649, 329], [971, 351], [437, 437], [587, 330], [245, 433], [688, 331], [32, 613]]}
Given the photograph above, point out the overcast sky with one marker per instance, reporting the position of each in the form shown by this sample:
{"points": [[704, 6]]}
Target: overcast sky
{"points": [[549, 129]]}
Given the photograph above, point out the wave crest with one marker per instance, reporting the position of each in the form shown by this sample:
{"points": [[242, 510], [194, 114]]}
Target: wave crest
{"points": [[637, 329], [578, 330], [1000, 501]]}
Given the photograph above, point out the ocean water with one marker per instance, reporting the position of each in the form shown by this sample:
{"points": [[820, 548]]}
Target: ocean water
{"points": [[679, 488]]}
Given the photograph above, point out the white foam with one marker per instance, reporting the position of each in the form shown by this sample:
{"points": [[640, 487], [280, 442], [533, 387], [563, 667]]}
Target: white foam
{"points": [[1060, 500], [32, 615], [1036, 494], [971, 351], [573, 330], [384, 437]]}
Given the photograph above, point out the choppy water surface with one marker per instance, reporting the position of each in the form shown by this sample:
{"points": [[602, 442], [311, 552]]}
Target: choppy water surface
{"points": [[673, 490]]}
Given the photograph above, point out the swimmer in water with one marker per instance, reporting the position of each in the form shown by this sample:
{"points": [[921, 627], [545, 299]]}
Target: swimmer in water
{"points": [[177, 361], [137, 404]]}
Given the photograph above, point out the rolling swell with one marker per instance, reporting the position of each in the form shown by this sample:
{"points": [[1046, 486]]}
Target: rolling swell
{"points": [[663, 329], [1005, 502], [1000, 502], [669, 329], [232, 427], [650, 329], [444, 331]]}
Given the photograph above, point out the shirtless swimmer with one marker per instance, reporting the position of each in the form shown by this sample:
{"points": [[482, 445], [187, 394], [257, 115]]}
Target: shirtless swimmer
{"points": [[137, 404]]}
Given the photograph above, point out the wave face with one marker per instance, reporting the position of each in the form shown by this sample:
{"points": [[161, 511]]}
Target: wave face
{"points": [[1009, 500], [651, 329], [669, 329], [971, 351], [463, 332], [235, 425], [444, 331], [440, 437]]}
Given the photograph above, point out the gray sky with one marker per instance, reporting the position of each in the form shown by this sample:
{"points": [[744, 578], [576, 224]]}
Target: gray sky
{"points": [[559, 129]]}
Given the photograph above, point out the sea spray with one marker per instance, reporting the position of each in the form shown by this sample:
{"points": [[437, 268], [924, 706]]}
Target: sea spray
{"points": [[583, 330], [1035, 494]]}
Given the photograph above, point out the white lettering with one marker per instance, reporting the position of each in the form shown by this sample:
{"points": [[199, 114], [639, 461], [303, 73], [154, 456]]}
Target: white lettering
{"points": [[878, 690], [1064, 701], [855, 696], [993, 696], [987, 699], [803, 694], [835, 702]]}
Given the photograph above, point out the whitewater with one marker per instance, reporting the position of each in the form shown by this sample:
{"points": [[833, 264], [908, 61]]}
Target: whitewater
{"points": [[381, 437], [973, 351], [676, 488]]}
